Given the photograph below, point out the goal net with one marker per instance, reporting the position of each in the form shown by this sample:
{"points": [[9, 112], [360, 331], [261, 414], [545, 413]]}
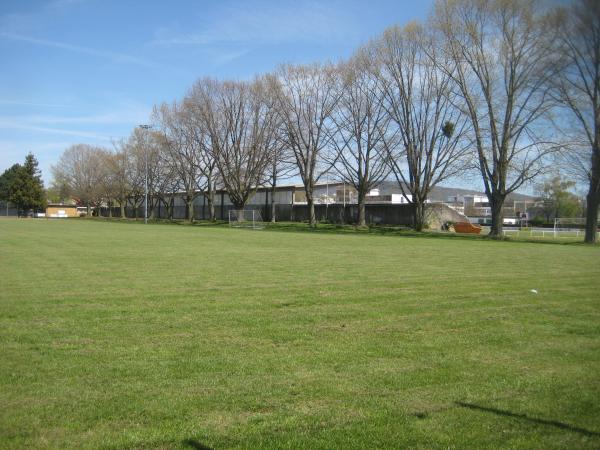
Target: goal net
{"points": [[564, 226], [245, 218]]}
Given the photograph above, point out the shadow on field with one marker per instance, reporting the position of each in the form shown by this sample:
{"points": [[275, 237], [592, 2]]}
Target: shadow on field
{"points": [[554, 423], [331, 228], [193, 443], [403, 231]]}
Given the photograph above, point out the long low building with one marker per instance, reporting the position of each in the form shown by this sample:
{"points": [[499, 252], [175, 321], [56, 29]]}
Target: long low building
{"points": [[324, 193], [467, 201], [337, 202]]}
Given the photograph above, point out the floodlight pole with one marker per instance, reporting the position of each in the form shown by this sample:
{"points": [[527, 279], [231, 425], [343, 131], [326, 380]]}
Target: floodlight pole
{"points": [[146, 128]]}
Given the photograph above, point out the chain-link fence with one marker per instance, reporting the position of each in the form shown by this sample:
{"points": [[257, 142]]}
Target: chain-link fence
{"points": [[7, 209], [332, 213], [384, 214]]}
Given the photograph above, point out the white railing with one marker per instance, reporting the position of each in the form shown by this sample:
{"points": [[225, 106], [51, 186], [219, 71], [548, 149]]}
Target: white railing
{"points": [[541, 232], [558, 232], [547, 232]]}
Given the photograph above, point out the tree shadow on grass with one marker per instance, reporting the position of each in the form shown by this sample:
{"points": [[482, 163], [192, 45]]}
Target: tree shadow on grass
{"points": [[554, 423], [193, 443], [378, 230], [406, 232]]}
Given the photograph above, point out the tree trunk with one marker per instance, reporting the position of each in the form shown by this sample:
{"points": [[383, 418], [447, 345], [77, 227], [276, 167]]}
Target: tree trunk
{"points": [[150, 207], [591, 219], [190, 208], [239, 205], [273, 206], [496, 203], [170, 207], [312, 219], [362, 216], [110, 210], [418, 214], [273, 209], [593, 201], [122, 207], [211, 207], [210, 198]]}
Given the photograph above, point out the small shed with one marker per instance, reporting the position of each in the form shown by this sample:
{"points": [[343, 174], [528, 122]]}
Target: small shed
{"points": [[57, 210]]}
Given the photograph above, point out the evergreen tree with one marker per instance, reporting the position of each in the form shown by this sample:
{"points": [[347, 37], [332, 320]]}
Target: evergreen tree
{"points": [[7, 182], [22, 185]]}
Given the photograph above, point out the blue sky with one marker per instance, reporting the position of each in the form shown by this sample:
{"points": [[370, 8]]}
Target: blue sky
{"points": [[88, 71]]}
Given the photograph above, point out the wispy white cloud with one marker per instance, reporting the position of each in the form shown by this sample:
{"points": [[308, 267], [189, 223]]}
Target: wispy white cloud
{"points": [[123, 114], [13, 124], [226, 57], [36, 18], [252, 24], [18, 22], [64, 3], [46, 152], [4, 101], [113, 56], [31, 145]]}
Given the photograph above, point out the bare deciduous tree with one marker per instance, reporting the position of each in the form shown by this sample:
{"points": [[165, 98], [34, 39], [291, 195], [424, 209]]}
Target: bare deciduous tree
{"points": [[181, 151], [142, 155], [241, 123], [579, 91], [167, 181], [80, 167], [361, 123], [119, 168], [428, 146], [134, 152], [196, 131], [501, 60], [108, 182], [283, 166], [306, 99]]}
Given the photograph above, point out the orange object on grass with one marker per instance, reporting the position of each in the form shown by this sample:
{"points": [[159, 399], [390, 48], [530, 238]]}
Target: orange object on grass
{"points": [[467, 227]]}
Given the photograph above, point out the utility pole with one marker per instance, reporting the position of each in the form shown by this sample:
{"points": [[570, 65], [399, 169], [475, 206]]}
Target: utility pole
{"points": [[145, 128]]}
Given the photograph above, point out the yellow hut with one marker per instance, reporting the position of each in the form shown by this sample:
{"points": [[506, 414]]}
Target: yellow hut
{"points": [[63, 211]]}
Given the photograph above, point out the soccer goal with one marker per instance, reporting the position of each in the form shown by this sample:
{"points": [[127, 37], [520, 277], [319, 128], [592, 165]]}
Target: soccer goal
{"points": [[245, 218], [569, 226]]}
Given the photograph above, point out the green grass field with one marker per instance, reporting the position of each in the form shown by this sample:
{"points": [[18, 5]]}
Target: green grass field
{"points": [[120, 335]]}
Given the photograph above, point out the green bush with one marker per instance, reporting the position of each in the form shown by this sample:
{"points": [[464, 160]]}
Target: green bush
{"points": [[537, 221]]}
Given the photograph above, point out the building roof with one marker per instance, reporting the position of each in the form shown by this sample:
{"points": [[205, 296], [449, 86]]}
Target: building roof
{"points": [[438, 193]]}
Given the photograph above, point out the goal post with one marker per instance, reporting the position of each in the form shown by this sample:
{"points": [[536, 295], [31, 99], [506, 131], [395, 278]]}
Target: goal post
{"points": [[245, 218], [569, 226]]}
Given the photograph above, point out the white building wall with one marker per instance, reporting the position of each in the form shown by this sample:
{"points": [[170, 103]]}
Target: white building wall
{"points": [[401, 199], [257, 199], [283, 197]]}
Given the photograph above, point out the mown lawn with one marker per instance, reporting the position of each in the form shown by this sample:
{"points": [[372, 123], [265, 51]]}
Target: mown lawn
{"points": [[116, 335]]}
